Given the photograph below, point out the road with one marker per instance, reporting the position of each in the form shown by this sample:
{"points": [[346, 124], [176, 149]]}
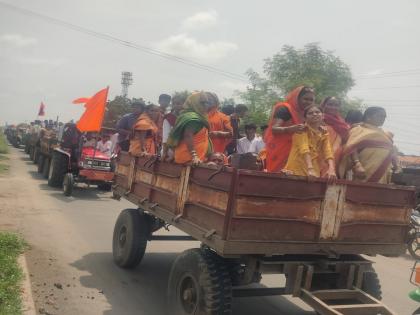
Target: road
{"points": [[70, 259]]}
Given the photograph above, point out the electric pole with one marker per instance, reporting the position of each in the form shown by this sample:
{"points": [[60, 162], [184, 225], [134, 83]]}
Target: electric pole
{"points": [[126, 81]]}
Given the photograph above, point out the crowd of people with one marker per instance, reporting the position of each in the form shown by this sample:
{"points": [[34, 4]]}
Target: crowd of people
{"points": [[301, 137]]}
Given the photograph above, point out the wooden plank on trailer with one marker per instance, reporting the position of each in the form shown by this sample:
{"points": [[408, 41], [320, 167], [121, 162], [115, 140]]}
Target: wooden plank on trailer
{"points": [[329, 208], [183, 190]]}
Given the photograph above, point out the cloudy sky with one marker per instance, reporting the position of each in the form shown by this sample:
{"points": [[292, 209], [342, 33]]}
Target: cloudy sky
{"points": [[43, 61]]}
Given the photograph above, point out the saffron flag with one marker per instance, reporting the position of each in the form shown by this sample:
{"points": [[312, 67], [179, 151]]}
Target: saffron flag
{"points": [[81, 100], [93, 116], [41, 111]]}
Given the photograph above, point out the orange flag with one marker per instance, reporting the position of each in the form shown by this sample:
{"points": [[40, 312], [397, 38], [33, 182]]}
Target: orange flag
{"points": [[93, 116], [81, 100]]}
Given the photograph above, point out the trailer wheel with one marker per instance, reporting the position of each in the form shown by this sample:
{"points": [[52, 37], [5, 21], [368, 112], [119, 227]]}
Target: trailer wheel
{"points": [[46, 168], [130, 238], [199, 283], [40, 163], [36, 155], [371, 284], [57, 170], [68, 184]]}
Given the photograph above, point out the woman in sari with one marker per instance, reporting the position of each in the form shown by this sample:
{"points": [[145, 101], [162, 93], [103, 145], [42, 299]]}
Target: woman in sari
{"points": [[369, 150], [190, 136], [286, 119], [144, 140], [311, 146], [336, 126], [220, 127]]}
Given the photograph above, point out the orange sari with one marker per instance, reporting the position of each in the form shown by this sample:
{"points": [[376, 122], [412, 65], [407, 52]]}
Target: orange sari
{"points": [[219, 122], [201, 145], [278, 146], [145, 124]]}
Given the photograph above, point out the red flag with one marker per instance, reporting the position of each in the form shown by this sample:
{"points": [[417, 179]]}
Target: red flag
{"points": [[41, 111], [93, 116]]}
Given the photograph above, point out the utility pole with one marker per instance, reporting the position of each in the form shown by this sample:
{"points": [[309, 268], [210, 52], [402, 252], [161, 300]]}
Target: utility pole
{"points": [[126, 81]]}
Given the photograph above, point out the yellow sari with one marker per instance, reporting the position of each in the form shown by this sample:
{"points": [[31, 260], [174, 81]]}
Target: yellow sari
{"points": [[375, 150]]}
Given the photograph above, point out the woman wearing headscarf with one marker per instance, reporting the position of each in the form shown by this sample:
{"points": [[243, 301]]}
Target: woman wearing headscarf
{"points": [[286, 119], [144, 140], [336, 126], [369, 150], [220, 126], [190, 136]]}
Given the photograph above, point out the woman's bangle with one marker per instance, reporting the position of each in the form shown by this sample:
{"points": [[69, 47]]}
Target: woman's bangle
{"points": [[193, 153]]}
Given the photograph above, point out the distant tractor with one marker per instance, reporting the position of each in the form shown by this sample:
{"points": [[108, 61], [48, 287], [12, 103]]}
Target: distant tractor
{"points": [[72, 162]]}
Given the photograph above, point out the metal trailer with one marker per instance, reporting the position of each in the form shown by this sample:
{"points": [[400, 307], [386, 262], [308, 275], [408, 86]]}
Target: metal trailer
{"points": [[252, 222]]}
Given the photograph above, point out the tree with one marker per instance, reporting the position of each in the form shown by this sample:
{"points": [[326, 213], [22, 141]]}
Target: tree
{"points": [[310, 66], [115, 109]]}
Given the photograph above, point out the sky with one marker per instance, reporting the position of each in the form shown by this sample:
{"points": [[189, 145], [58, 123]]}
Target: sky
{"points": [[44, 61]]}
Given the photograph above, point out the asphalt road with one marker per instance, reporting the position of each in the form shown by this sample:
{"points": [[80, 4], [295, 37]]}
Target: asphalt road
{"points": [[70, 259]]}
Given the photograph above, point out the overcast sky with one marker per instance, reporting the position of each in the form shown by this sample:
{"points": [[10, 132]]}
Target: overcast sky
{"points": [[41, 61]]}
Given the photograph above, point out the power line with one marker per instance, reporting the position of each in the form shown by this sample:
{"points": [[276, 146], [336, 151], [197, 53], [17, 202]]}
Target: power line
{"points": [[388, 87], [139, 47], [389, 73]]}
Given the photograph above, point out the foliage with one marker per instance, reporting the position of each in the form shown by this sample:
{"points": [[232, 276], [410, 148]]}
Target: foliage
{"points": [[310, 66], [3, 144], [115, 109], [11, 246]]}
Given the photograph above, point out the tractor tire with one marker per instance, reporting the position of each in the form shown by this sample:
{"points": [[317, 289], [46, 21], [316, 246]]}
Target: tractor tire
{"points": [[129, 242], [27, 148], [199, 283], [36, 155], [371, 284], [68, 184], [45, 167], [40, 163], [31, 153], [57, 170]]}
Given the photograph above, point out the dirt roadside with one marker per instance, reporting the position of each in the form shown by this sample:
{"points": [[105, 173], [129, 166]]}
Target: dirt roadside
{"points": [[26, 209]]}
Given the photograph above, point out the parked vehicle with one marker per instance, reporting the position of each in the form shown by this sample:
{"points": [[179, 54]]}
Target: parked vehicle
{"points": [[252, 222], [413, 243], [73, 163], [415, 280], [47, 143]]}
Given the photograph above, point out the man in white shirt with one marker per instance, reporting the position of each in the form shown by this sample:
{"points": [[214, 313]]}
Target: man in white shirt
{"points": [[250, 143], [105, 145]]}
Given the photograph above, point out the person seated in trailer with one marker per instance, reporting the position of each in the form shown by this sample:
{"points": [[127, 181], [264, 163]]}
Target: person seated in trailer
{"points": [[354, 117], [247, 161], [105, 144], [239, 112], [168, 123], [337, 127], [309, 146], [216, 159], [286, 120], [89, 140], [190, 136], [251, 142], [220, 127], [369, 150], [125, 125], [145, 131]]}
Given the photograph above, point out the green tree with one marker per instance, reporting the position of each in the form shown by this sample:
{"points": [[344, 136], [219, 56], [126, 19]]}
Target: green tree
{"points": [[311, 66], [115, 109]]}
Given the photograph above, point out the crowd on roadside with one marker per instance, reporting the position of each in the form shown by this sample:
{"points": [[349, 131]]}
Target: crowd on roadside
{"points": [[300, 138]]}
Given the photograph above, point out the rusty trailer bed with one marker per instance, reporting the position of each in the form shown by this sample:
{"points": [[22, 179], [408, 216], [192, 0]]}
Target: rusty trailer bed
{"points": [[240, 212]]}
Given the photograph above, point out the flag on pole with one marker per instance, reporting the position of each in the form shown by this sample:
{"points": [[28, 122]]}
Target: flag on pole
{"points": [[41, 111], [93, 116]]}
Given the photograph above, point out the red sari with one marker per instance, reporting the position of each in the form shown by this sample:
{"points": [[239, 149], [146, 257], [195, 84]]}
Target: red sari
{"points": [[278, 145]]}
